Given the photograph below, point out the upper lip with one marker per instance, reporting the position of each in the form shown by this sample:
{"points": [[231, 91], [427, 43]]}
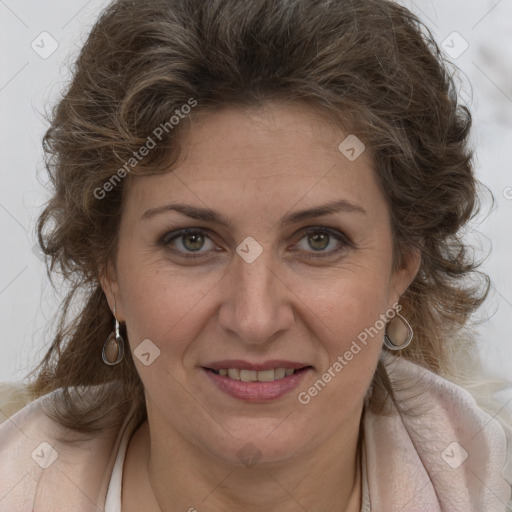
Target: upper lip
{"points": [[246, 365]]}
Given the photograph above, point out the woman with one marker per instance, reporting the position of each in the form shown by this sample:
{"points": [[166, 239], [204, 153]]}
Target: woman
{"points": [[262, 204]]}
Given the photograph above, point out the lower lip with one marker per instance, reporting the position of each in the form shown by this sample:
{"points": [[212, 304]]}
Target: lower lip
{"points": [[257, 391]]}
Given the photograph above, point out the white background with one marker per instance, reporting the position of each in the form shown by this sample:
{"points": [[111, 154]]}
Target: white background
{"points": [[29, 84]]}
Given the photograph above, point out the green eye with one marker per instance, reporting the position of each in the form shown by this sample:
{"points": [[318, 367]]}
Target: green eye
{"points": [[192, 241], [320, 238], [318, 241], [188, 242]]}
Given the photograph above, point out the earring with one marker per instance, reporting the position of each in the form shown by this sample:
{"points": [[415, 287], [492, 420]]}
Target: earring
{"points": [[113, 348], [398, 334]]}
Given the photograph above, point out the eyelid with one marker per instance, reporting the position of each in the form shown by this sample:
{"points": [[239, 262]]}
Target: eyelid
{"points": [[335, 233], [170, 236], [176, 233]]}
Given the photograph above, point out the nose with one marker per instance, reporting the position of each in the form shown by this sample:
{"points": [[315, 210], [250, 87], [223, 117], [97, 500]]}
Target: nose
{"points": [[256, 307]]}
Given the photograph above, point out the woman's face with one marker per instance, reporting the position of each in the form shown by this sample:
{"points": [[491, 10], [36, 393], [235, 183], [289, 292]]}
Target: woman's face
{"points": [[250, 284]]}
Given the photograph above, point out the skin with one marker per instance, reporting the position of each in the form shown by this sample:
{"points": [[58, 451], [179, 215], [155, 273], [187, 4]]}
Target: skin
{"points": [[254, 166]]}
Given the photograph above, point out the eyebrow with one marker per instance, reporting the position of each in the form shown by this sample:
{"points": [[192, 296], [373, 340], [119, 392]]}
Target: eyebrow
{"points": [[209, 215]]}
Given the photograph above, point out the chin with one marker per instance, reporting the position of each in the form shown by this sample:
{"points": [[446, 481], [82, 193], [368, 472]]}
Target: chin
{"points": [[264, 445]]}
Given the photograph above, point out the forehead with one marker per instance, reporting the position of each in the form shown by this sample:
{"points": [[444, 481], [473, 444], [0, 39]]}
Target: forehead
{"points": [[278, 155], [265, 136]]}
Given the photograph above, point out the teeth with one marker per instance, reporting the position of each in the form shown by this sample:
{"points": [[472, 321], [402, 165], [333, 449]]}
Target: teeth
{"points": [[279, 373], [254, 376], [248, 376], [265, 376], [234, 374]]}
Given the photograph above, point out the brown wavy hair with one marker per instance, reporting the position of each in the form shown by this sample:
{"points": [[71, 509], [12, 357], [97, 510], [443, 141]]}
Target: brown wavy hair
{"points": [[370, 66]]}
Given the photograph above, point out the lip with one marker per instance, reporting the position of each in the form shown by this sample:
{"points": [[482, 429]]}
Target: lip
{"points": [[262, 366], [257, 391]]}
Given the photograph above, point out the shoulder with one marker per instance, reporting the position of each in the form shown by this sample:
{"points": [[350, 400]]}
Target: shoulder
{"points": [[46, 466], [25, 448], [13, 397], [439, 443], [439, 402]]}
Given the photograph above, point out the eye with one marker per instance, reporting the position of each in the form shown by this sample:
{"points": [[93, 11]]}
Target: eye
{"points": [[189, 241], [319, 239]]}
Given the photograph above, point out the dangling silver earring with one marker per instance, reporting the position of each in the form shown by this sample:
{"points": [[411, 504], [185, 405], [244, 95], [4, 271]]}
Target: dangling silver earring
{"points": [[113, 348], [398, 334]]}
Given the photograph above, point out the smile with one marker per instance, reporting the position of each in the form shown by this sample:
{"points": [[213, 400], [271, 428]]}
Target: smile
{"points": [[256, 386], [254, 376]]}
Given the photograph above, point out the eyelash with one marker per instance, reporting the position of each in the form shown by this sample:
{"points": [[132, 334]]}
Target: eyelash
{"points": [[166, 240]]}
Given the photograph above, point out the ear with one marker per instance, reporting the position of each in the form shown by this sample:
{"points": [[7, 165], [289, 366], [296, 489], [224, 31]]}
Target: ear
{"points": [[110, 284], [404, 275]]}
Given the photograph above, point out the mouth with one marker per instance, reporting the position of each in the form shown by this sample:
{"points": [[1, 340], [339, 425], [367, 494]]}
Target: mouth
{"points": [[254, 381], [268, 383], [270, 375]]}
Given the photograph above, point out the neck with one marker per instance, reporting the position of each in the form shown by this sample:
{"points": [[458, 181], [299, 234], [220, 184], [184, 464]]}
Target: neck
{"points": [[169, 474]]}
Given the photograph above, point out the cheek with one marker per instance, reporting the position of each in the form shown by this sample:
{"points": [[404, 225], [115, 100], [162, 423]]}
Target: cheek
{"points": [[350, 331], [166, 302], [347, 305], [162, 302]]}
